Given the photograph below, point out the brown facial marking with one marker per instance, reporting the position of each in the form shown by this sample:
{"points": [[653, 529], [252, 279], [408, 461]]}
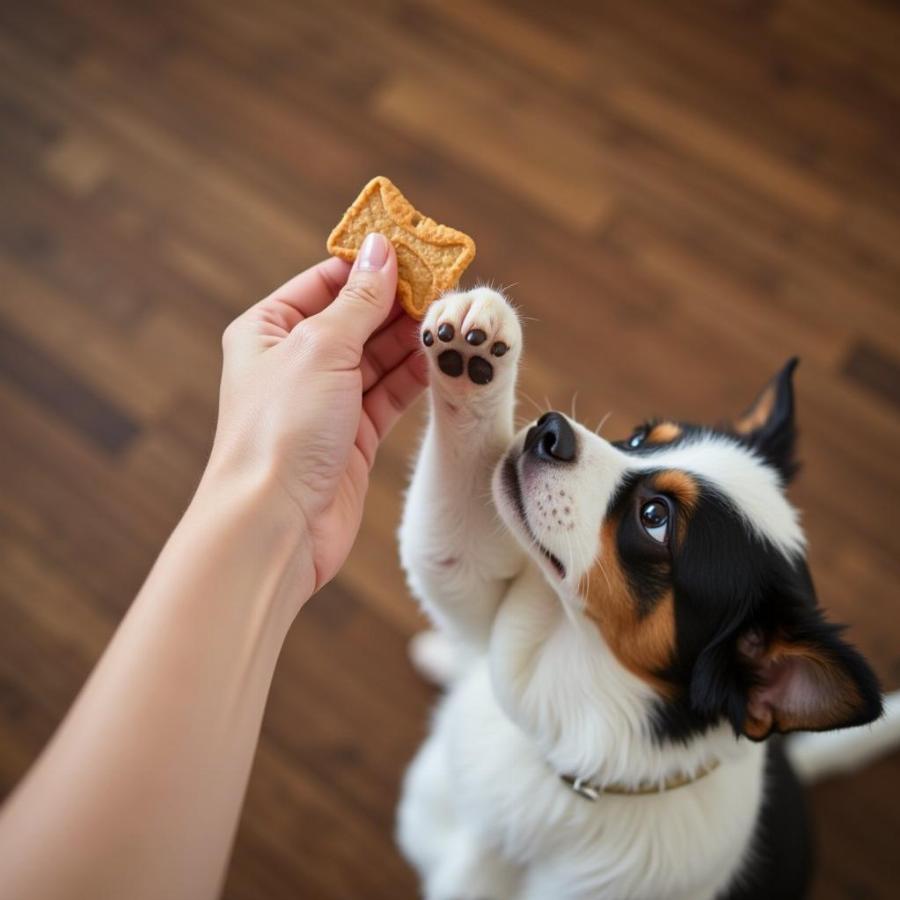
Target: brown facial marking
{"points": [[664, 433], [759, 413], [643, 644]]}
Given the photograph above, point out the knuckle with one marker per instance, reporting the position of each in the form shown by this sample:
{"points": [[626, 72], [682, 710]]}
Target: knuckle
{"points": [[361, 291], [323, 341], [318, 338], [231, 332]]}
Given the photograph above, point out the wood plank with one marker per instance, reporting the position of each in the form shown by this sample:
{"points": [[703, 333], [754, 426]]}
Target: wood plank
{"points": [[781, 183], [544, 161], [61, 393], [874, 369]]}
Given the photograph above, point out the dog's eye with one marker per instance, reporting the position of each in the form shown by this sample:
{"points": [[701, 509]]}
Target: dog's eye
{"points": [[655, 519], [637, 438]]}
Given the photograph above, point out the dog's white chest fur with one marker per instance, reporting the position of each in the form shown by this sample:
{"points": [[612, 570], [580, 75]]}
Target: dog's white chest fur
{"points": [[484, 813]]}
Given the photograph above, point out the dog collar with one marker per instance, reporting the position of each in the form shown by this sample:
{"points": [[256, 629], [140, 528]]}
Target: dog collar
{"points": [[592, 791]]}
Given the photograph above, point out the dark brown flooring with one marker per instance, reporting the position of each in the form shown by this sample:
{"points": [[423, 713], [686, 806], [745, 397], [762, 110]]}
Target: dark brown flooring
{"points": [[681, 194]]}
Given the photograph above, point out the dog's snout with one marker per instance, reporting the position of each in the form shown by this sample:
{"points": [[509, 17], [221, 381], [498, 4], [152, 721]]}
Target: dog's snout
{"points": [[551, 439]]}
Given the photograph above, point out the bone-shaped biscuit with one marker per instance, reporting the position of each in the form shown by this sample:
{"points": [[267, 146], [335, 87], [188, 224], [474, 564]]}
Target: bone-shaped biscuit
{"points": [[430, 257]]}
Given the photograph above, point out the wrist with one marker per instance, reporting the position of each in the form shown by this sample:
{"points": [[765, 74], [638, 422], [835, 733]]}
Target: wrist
{"points": [[248, 510], [255, 484]]}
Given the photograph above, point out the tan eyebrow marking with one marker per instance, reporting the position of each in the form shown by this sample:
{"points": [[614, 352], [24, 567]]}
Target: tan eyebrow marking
{"points": [[683, 488], [664, 433], [680, 485]]}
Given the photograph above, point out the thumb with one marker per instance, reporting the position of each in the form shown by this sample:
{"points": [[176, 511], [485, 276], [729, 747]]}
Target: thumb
{"points": [[367, 297]]}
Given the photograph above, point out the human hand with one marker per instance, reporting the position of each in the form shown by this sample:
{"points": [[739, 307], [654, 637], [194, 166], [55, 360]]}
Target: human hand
{"points": [[314, 377]]}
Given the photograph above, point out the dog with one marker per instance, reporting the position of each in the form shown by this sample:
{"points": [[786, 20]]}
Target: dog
{"points": [[625, 630]]}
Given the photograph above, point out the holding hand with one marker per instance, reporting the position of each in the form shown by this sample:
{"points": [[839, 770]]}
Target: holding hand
{"points": [[314, 377]]}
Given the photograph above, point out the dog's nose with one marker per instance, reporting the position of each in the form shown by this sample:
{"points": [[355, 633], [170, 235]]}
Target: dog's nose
{"points": [[551, 439]]}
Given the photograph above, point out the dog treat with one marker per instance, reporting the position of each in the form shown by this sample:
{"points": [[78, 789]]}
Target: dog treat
{"points": [[430, 257]]}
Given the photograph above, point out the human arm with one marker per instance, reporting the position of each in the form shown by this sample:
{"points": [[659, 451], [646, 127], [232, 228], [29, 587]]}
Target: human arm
{"points": [[138, 794]]}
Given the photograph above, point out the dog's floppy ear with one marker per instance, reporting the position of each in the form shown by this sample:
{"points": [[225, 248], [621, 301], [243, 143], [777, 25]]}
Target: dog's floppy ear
{"points": [[768, 424], [784, 667], [806, 679]]}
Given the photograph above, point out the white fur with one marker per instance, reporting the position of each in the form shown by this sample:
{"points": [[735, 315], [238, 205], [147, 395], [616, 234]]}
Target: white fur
{"points": [[536, 691], [819, 755]]}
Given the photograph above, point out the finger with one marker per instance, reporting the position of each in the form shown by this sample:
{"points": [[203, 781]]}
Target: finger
{"points": [[384, 403], [366, 299], [387, 348], [305, 294]]}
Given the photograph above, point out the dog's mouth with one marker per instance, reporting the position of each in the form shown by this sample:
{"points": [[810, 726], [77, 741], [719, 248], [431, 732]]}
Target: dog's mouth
{"points": [[514, 490]]}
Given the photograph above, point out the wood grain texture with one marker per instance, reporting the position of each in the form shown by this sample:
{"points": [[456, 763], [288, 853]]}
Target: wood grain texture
{"points": [[682, 195]]}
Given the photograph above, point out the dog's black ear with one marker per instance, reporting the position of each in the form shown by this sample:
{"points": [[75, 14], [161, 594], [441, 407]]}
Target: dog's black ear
{"points": [[768, 425], [785, 669]]}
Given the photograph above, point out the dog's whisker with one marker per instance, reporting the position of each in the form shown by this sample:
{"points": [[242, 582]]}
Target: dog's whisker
{"points": [[532, 401], [602, 422], [584, 584], [605, 575]]}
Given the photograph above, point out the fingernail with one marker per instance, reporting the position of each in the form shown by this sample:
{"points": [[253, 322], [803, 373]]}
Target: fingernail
{"points": [[374, 252]]}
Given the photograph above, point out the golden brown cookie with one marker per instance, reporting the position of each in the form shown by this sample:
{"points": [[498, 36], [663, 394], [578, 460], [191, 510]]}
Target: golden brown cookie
{"points": [[430, 257]]}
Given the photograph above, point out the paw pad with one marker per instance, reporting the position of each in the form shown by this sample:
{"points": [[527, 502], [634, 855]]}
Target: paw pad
{"points": [[450, 362], [466, 334], [480, 370]]}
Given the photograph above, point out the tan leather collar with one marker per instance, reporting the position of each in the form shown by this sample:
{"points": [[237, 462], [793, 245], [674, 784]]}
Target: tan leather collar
{"points": [[592, 791]]}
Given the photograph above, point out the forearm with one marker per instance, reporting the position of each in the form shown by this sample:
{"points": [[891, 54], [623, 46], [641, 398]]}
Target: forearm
{"points": [[139, 792]]}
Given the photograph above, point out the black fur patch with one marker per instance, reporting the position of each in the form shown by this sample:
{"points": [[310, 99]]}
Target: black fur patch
{"points": [[779, 865]]}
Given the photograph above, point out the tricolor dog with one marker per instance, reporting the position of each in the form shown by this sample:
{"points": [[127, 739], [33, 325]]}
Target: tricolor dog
{"points": [[624, 630]]}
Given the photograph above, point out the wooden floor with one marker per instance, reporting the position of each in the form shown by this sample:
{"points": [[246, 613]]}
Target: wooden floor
{"points": [[681, 195]]}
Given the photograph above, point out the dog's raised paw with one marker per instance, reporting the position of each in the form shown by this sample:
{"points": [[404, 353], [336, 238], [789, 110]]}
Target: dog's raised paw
{"points": [[474, 334]]}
